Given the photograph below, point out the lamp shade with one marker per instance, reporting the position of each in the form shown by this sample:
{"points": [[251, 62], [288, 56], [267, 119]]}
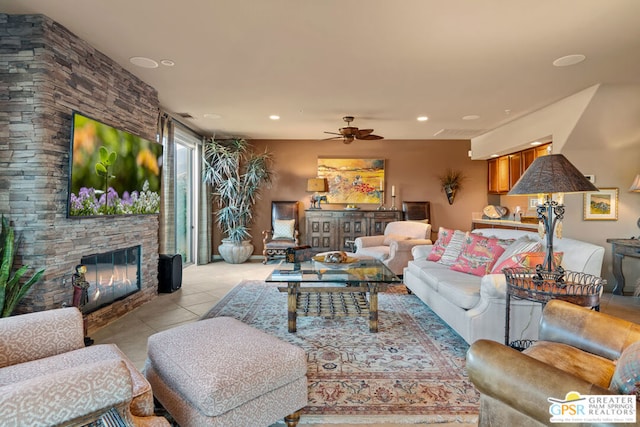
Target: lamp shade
{"points": [[552, 173], [321, 185], [635, 187]]}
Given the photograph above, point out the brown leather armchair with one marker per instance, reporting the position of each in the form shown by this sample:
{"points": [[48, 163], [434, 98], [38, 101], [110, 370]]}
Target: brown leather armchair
{"points": [[577, 351], [284, 232]]}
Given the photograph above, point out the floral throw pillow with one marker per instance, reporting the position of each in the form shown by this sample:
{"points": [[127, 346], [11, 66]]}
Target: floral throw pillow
{"points": [[444, 236], [527, 260], [478, 255]]}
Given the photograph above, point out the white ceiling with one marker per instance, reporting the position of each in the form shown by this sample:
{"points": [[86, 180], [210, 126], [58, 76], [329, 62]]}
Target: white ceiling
{"points": [[384, 62]]}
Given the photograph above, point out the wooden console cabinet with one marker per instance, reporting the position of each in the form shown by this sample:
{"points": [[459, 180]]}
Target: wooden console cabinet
{"points": [[332, 230]]}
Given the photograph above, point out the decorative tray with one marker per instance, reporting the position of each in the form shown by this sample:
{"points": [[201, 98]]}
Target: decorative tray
{"points": [[349, 260]]}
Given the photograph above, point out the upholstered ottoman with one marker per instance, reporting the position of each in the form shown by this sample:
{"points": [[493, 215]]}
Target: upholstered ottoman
{"points": [[221, 372]]}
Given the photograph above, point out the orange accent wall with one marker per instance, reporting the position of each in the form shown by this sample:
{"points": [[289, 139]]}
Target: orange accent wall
{"points": [[413, 166]]}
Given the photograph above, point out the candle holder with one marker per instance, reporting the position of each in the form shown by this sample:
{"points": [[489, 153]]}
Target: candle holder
{"points": [[380, 194], [393, 203]]}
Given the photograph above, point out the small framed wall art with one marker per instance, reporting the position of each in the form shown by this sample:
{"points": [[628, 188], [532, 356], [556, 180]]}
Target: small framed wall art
{"points": [[601, 205]]}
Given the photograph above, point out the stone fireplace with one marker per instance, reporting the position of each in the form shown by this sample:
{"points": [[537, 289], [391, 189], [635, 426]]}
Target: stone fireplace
{"points": [[47, 72]]}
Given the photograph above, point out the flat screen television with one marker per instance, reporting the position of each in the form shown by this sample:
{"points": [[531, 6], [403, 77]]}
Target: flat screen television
{"points": [[112, 172]]}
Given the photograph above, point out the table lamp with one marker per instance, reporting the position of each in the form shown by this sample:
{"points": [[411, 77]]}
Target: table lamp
{"points": [[317, 185], [548, 175]]}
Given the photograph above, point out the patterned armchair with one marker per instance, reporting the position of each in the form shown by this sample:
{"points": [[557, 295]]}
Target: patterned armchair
{"points": [[48, 376], [284, 230]]}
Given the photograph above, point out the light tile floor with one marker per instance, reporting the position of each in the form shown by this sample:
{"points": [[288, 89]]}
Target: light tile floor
{"points": [[203, 286]]}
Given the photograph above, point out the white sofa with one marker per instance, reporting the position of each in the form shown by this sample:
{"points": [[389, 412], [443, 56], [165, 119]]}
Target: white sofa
{"points": [[393, 248], [474, 306]]}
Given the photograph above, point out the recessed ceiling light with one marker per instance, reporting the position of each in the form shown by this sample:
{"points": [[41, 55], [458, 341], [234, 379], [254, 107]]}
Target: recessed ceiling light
{"points": [[471, 117], [423, 118], [211, 116], [534, 143], [274, 117], [568, 60], [143, 62], [167, 62], [494, 155]]}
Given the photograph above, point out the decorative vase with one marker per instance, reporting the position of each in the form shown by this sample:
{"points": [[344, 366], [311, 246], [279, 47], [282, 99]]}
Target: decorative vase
{"points": [[235, 252], [450, 192]]}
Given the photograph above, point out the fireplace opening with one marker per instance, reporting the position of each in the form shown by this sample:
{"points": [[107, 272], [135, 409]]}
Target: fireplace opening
{"points": [[112, 276]]}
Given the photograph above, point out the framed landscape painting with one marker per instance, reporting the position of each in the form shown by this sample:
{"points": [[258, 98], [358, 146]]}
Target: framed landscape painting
{"points": [[353, 180], [601, 205]]}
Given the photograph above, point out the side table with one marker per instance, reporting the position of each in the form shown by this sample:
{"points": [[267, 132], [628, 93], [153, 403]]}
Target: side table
{"points": [[541, 286], [622, 248]]}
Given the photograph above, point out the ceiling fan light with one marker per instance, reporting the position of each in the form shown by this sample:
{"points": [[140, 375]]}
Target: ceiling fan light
{"points": [[350, 133]]}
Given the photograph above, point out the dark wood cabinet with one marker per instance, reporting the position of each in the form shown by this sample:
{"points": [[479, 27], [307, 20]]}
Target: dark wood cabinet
{"points": [[333, 230]]}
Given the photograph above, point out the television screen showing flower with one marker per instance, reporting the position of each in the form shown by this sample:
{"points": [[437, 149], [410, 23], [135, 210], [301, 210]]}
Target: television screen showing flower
{"points": [[113, 172]]}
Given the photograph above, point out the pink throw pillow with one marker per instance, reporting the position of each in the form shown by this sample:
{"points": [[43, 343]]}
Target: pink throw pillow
{"points": [[527, 260], [444, 236], [478, 255]]}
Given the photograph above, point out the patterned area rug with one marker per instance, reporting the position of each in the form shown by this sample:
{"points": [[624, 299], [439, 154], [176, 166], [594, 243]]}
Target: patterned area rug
{"points": [[411, 371]]}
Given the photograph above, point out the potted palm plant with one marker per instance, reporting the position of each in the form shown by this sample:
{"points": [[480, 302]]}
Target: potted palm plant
{"points": [[237, 174]]}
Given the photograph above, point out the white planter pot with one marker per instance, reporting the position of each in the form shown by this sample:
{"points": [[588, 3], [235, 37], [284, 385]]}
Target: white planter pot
{"points": [[235, 252]]}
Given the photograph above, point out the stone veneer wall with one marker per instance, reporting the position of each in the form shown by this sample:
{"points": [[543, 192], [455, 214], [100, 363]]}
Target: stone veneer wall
{"points": [[45, 73]]}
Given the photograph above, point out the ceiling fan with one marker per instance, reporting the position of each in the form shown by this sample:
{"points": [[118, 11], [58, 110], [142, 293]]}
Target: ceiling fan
{"points": [[349, 133]]}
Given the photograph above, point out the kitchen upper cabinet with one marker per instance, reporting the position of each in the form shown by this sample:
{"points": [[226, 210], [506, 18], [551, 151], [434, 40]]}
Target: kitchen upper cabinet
{"points": [[493, 175], [528, 156], [543, 150], [503, 174], [498, 175], [505, 171], [515, 169]]}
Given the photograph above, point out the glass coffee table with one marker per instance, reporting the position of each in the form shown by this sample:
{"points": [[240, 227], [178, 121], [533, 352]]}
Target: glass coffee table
{"points": [[333, 290]]}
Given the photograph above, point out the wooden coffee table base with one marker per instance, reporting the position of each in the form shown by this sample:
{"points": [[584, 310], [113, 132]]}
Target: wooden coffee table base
{"points": [[332, 301]]}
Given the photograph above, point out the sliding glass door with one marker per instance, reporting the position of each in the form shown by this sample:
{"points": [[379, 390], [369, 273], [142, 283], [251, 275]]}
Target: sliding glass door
{"points": [[186, 194], [184, 204]]}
